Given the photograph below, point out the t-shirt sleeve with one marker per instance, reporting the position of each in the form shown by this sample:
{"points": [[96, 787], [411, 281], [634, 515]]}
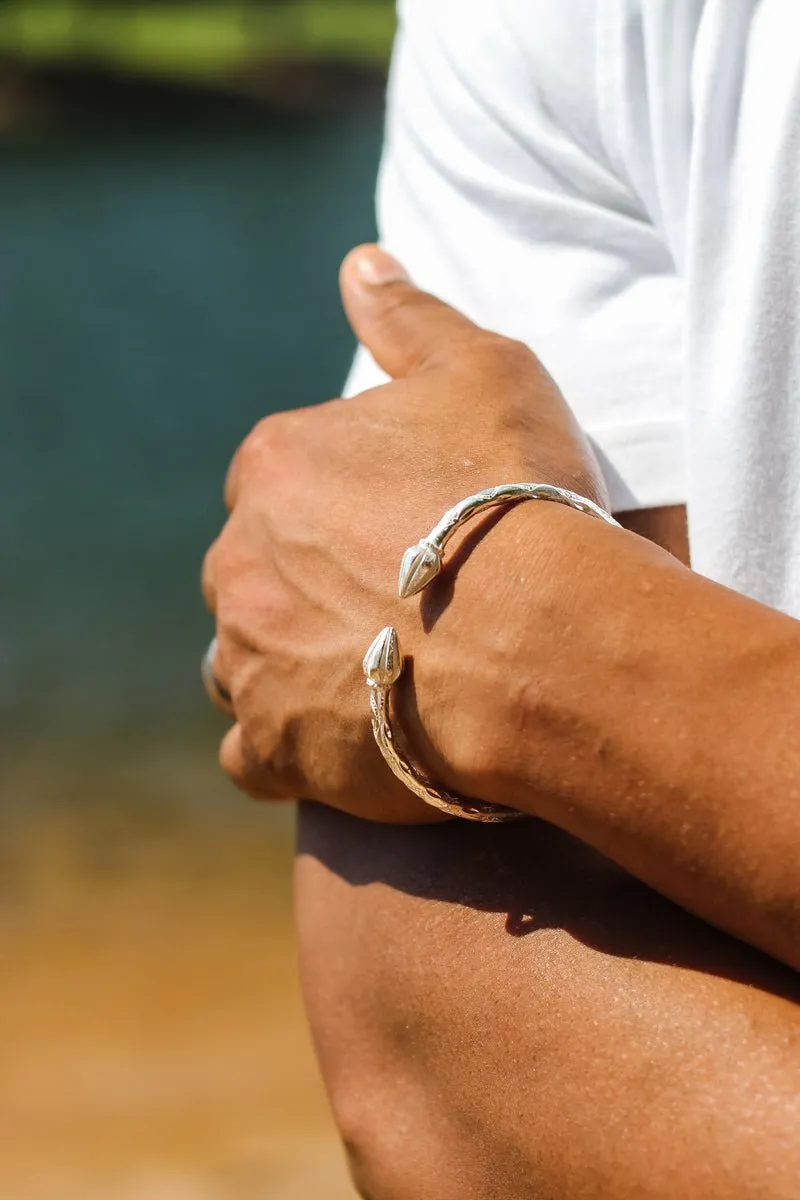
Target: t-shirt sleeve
{"points": [[497, 193]]}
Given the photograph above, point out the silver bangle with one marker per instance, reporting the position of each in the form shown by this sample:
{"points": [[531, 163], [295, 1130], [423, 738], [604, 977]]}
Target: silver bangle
{"points": [[383, 662]]}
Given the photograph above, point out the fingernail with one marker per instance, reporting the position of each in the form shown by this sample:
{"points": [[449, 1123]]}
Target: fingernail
{"points": [[375, 267]]}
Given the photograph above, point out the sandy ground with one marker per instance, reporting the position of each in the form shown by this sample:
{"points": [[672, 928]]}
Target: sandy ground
{"points": [[152, 1044]]}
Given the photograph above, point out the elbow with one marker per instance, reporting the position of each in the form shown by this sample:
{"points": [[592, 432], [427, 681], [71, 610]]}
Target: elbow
{"points": [[395, 1137]]}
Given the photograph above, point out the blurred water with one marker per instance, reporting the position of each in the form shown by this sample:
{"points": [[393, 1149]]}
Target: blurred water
{"points": [[160, 289]]}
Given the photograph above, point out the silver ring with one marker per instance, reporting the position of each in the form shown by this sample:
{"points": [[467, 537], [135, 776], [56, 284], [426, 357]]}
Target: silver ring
{"points": [[219, 695]]}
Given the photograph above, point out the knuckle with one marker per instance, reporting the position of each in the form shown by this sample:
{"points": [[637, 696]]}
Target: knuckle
{"points": [[250, 771], [229, 758], [220, 569], [209, 572], [257, 441], [213, 554], [503, 355], [238, 759], [216, 564], [276, 448], [236, 607], [266, 438]]}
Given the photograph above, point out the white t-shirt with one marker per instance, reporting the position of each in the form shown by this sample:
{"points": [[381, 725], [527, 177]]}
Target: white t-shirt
{"points": [[617, 183]]}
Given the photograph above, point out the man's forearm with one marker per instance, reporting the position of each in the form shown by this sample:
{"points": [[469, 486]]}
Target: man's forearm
{"points": [[642, 708], [579, 673], [501, 1014]]}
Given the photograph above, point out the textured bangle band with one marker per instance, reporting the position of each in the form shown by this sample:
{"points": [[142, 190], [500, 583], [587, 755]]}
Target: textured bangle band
{"points": [[383, 662]]}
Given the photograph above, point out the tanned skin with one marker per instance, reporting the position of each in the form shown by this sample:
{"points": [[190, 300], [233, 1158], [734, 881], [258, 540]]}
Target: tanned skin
{"points": [[576, 672], [502, 1014]]}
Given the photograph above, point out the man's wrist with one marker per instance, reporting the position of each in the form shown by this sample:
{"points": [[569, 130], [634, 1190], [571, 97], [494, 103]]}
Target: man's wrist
{"points": [[474, 645]]}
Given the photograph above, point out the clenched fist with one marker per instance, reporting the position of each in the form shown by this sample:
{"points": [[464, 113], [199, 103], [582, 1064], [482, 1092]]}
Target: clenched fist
{"points": [[324, 501]]}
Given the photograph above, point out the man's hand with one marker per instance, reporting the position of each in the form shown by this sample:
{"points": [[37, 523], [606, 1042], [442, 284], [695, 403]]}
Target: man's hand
{"points": [[323, 503]]}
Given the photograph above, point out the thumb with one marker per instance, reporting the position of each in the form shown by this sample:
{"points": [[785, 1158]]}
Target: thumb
{"points": [[406, 330]]}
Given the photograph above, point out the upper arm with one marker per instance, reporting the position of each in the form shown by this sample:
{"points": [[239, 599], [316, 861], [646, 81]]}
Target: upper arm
{"points": [[664, 526], [501, 1012], [497, 194]]}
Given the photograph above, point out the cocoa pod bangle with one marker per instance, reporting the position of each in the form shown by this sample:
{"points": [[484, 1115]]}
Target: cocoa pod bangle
{"points": [[383, 662]]}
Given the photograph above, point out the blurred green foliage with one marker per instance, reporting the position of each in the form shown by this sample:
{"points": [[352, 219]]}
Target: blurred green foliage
{"points": [[195, 40]]}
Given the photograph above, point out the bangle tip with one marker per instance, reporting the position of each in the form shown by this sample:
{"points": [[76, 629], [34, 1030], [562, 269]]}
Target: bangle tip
{"points": [[383, 662], [420, 566]]}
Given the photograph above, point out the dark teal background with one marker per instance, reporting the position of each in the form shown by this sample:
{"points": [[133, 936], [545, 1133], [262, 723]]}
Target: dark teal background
{"points": [[163, 284]]}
